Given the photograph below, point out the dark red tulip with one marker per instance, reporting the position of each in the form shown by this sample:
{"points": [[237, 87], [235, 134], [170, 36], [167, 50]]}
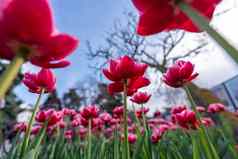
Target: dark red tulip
{"points": [[132, 138], [141, 111], [68, 134], [178, 109], [179, 74], [133, 85], [124, 68], [118, 111], [50, 116], [155, 136], [208, 122], [44, 79], [200, 109], [141, 98], [216, 108], [20, 127], [157, 114], [30, 29], [163, 15], [187, 119], [105, 117], [36, 129], [90, 112]]}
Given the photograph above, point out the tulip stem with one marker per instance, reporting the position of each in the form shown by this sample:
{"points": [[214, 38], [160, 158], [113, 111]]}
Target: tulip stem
{"points": [[203, 23], [210, 150], [10, 74], [126, 143], [89, 138], [29, 127]]}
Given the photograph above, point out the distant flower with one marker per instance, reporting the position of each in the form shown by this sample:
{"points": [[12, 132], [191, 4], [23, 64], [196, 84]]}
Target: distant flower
{"points": [[157, 114], [200, 109], [124, 68], [36, 129], [20, 127], [30, 30], [44, 79], [68, 134], [178, 109], [159, 15], [132, 138], [140, 98], [141, 111], [50, 116], [216, 108], [179, 74], [207, 122], [156, 135], [132, 87], [89, 112], [186, 119], [118, 111], [105, 117]]}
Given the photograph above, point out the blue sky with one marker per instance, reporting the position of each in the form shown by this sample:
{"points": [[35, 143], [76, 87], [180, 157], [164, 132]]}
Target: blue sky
{"points": [[87, 20]]}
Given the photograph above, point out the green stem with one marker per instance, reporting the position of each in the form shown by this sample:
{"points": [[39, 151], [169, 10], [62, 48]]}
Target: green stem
{"points": [[89, 139], [203, 23], [126, 143], [28, 131], [10, 74], [210, 150]]}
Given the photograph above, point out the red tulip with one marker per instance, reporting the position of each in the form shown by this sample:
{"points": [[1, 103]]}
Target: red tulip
{"points": [[157, 114], [140, 98], [118, 111], [200, 109], [178, 109], [44, 79], [186, 119], [132, 138], [89, 112], [155, 136], [68, 134], [20, 127], [105, 117], [30, 29], [51, 116], [139, 112], [124, 68], [207, 122], [36, 129], [179, 74], [133, 85], [159, 15], [216, 108]]}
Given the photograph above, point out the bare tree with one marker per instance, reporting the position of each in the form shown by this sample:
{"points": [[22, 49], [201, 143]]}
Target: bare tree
{"points": [[157, 51]]}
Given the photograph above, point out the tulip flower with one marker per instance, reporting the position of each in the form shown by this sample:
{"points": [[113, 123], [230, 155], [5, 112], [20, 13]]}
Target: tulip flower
{"points": [[216, 108], [179, 74], [105, 117], [118, 111], [68, 134], [132, 138], [36, 129], [140, 98], [89, 112], [30, 30], [124, 68], [20, 127], [133, 85], [141, 111], [50, 116], [43, 80], [187, 119], [157, 114], [155, 136], [200, 109], [164, 15]]}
